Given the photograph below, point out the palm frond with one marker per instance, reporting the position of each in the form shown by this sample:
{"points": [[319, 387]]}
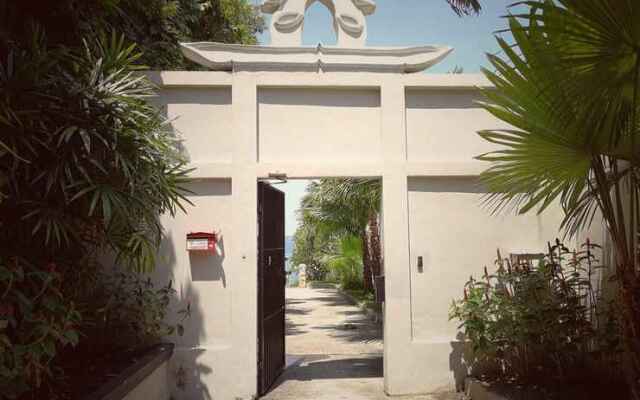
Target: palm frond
{"points": [[565, 113], [342, 204], [595, 43], [465, 7]]}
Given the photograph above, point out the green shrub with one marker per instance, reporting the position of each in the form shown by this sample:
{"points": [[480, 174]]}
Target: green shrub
{"points": [[535, 323], [345, 267], [35, 320], [156, 26], [85, 161], [86, 166], [129, 303]]}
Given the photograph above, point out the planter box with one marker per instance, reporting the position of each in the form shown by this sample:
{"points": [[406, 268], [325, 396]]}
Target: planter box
{"points": [[146, 379]]}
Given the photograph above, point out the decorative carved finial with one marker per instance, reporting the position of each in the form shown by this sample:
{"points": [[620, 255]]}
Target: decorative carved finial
{"points": [[349, 20], [367, 7]]}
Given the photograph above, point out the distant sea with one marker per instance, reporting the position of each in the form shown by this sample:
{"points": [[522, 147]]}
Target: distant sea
{"points": [[288, 252], [288, 246]]}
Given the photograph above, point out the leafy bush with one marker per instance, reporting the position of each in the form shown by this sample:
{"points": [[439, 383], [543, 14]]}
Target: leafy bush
{"points": [[130, 304], [86, 166], [156, 26], [310, 248], [85, 161], [568, 86], [35, 320], [41, 323], [534, 323], [345, 267]]}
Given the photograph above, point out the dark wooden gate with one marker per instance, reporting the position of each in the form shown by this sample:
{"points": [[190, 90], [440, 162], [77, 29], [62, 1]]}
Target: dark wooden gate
{"points": [[271, 286]]}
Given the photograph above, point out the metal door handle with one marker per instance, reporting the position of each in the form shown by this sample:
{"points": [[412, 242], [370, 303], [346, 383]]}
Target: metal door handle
{"points": [[420, 264]]}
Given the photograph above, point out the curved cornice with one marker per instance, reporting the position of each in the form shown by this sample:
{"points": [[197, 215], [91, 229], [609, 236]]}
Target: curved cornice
{"points": [[226, 57]]}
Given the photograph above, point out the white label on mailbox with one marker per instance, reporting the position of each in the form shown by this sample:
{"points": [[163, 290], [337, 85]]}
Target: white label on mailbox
{"points": [[197, 244]]}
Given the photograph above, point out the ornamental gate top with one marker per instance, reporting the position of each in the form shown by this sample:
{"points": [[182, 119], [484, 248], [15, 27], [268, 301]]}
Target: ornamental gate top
{"points": [[349, 20], [286, 53]]}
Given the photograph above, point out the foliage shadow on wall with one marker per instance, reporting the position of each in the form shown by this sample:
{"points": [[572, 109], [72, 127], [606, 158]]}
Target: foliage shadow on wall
{"points": [[209, 267], [186, 373], [438, 99]]}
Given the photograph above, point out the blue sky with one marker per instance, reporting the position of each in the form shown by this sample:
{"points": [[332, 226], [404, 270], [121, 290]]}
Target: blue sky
{"points": [[294, 190], [415, 23], [407, 23]]}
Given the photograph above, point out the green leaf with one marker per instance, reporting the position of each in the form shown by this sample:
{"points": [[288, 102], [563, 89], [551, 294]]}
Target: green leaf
{"points": [[72, 337]]}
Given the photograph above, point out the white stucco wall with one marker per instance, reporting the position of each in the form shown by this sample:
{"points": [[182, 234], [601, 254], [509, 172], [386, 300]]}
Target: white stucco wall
{"points": [[416, 132], [205, 355], [442, 125], [456, 237], [193, 113], [319, 125]]}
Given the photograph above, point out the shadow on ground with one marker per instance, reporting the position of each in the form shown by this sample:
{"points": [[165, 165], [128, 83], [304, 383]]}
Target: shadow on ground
{"points": [[353, 331], [293, 328], [321, 366], [329, 340]]}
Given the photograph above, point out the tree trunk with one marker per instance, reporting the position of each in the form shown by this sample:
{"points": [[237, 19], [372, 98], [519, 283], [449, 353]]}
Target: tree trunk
{"points": [[623, 229], [626, 243], [366, 263], [375, 248]]}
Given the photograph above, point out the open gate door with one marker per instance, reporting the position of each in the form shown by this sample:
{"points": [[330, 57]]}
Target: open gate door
{"points": [[271, 286]]}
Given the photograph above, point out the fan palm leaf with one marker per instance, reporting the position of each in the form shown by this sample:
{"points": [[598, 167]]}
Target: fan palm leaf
{"points": [[570, 89], [558, 139]]}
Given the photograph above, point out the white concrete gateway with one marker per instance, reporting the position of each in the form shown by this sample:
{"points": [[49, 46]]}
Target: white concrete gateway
{"points": [[331, 112]]}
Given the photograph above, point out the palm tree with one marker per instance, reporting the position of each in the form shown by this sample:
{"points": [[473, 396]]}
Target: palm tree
{"points": [[570, 89], [348, 206]]}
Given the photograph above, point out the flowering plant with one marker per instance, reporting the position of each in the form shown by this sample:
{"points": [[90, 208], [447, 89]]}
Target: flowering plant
{"points": [[540, 317]]}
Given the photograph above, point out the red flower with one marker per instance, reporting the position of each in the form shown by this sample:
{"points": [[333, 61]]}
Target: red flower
{"points": [[51, 267]]}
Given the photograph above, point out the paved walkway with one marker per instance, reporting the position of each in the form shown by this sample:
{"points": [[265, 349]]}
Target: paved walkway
{"points": [[334, 351]]}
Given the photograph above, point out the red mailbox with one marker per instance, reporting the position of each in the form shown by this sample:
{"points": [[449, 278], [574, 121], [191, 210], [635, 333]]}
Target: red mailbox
{"points": [[202, 242]]}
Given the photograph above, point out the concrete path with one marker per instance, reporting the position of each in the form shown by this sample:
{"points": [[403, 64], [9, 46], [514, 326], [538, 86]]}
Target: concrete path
{"points": [[334, 351]]}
